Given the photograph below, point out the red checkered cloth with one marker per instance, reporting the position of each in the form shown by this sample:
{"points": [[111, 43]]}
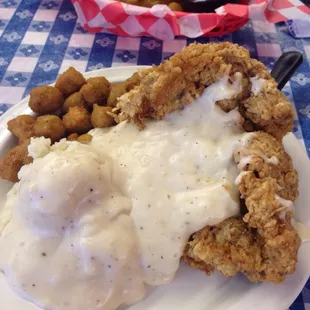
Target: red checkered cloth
{"points": [[162, 23]]}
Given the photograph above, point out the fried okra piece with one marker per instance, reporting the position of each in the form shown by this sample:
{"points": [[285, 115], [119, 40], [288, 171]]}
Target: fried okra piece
{"points": [[86, 138], [77, 120], [74, 100], [70, 82], [73, 137], [174, 6], [133, 81], [45, 100], [117, 90], [101, 118], [96, 90], [13, 160], [49, 126], [22, 127]]}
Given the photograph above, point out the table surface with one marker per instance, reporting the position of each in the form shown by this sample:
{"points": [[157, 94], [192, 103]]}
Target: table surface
{"points": [[41, 39]]}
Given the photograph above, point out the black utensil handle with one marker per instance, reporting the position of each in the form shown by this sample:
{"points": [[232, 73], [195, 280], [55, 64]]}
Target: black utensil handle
{"points": [[285, 67]]}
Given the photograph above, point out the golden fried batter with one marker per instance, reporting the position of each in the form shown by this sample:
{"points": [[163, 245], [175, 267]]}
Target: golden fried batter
{"points": [[86, 138], [77, 120], [73, 137], [45, 100], [22, 127], [101, 118], [70, 82], [277, 164], [117, 89], [233, 246], [73, 100], [96, 90], [182, 78], [49, 126], [175, 6], [13, 160]]}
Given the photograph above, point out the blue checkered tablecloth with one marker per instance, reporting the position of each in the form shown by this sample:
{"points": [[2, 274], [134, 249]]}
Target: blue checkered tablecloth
{"points": [[40, 39]]}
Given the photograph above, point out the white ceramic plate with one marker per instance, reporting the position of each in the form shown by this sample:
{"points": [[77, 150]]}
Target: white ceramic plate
{"points": [[191, 289]]}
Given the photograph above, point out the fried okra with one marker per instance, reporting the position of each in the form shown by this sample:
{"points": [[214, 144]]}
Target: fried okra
{"points": [[49, 126], [73, 137], [101, 118], [70, 82], [86, 138], [96, 90], [13, 160], [77, 120], [45, 100], [74, 100], [22, 127], [174, 6], [117, 90]]}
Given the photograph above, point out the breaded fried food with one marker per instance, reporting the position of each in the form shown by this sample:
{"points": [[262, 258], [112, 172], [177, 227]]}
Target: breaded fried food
{"points": [[77, 120], [117, 89], [74, 100], [13, 160], [100, 117], [22, 127], [45, 100], [49, 126], [229, 247], [86, 138], [136, 79], [266, 157], [96, 90], [233, 246], [181, 79], [70, 82], [73, 137], [262, 245]]}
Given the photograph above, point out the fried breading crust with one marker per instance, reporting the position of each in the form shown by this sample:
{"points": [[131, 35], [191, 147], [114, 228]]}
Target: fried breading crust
{"points": [[233, 246], [13, 160], [262, 245], [181, 79], [264, 144]]}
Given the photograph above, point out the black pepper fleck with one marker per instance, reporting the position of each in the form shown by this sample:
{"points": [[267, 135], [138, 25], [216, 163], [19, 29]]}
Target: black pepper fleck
{"points": [[33, 285], [109, 266], [162, 257], [91, 189], [141, 227], [43, 254], [149, 266]]}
